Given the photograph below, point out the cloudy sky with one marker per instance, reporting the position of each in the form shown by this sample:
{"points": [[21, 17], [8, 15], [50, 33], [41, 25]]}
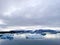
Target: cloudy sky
{"points": [[15, 14]]}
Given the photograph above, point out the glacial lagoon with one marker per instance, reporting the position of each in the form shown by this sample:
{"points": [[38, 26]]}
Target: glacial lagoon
{"points": [[30, 39]]}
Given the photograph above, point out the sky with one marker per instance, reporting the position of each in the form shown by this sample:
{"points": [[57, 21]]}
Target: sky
{"points": [[29, 14]]}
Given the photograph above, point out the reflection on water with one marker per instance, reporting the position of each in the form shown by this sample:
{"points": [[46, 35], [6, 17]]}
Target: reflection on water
{"points": [[27, 38]]}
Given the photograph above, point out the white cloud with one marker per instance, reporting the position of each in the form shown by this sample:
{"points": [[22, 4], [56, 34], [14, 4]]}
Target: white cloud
{"points": [[10, 11], [2, 22], [9, 28], [30, 12]]}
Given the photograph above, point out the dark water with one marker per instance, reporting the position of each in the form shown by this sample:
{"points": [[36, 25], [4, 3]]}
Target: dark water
{"points": [[51, 40]]}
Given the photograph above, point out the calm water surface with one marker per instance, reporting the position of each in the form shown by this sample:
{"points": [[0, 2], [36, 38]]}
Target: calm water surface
{"points": [[20, 39]]}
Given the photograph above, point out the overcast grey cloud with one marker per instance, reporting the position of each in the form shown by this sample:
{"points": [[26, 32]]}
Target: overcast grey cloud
{"points": [[30, 13]]}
